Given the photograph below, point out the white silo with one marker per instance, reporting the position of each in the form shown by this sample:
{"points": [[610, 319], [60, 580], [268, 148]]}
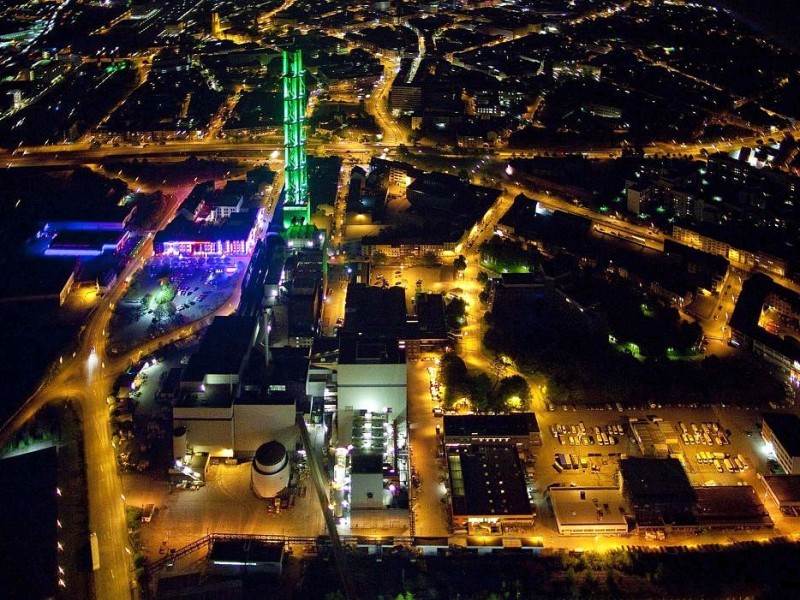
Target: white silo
{"points": [[270, 471]]}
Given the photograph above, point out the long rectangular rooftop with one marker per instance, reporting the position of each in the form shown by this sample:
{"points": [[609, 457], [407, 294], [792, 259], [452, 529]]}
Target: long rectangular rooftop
{"points": [[514, 425], [487, 480]]}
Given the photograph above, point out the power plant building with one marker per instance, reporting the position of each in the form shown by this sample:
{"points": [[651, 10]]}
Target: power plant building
{"points": [[226, 402]]}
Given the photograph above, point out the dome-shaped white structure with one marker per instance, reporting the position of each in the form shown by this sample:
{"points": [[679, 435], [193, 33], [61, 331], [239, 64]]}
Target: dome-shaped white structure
{"points": [[270, 471]]}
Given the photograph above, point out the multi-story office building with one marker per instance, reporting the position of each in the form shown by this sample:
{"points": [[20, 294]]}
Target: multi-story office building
{"points": [[782, 431]]}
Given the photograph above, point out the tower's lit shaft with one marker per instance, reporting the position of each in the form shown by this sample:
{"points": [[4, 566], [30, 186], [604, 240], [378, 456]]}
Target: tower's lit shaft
{"points": [[296, 205]]}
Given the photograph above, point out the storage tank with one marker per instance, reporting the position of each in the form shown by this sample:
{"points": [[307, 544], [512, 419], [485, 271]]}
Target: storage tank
{"points": [[179, 442], [270, 472]]}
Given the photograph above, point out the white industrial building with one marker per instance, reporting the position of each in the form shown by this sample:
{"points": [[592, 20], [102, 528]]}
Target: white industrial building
{"points": [[367, 489], [590, 511], [372, 375], [227, 403]]}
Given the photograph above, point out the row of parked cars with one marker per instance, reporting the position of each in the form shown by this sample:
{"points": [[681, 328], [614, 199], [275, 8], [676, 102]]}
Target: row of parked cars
{"points": [[707, 434], [722, 461], [580, 435], [435, 395]]}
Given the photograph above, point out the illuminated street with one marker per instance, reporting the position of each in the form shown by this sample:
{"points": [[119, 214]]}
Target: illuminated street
{"points": [[429, 510]]}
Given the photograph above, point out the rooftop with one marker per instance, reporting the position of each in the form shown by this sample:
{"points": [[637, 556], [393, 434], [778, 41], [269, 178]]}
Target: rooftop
{"points": [[734, 504], [288, 364], [522, 279], [301, 232], [366, 463], [487, 480], [372, 309], [588, 506], [270, 454], [516, 424], [430, 316], [245, 551], [786, 488], [214, 396], [69, 241], [550, 226], [656, 480], [223, 348], [751, 299], [368, 350]]}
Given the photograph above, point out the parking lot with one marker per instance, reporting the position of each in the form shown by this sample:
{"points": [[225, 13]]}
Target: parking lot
{"points": [[170, 292], [580, 435], [582, 446], [730, 432]]}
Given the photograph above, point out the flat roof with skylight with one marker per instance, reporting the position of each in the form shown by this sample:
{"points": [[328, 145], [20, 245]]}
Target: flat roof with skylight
{"points": [[487, 481], [590, 511]]}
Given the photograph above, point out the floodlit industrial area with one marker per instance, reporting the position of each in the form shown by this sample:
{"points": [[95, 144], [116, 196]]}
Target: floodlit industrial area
{"points": [[307, 299]]}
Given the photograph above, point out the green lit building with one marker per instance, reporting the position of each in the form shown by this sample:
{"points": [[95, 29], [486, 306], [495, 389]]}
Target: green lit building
{"points": [[301, 236], [296, 205]]}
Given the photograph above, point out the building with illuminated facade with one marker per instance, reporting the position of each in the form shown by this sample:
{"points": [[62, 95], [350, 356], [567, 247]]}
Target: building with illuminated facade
{"points": [[712, 240], [236, 236], [215, 222], [762, 296], [520, 430], [782, 432]]}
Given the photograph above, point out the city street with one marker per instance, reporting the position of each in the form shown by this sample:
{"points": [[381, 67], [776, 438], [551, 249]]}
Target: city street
{"points": [[430, 518], [378, 105], [87, 379]]}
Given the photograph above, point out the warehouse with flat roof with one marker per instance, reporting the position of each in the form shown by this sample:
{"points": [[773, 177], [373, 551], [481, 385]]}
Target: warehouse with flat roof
{"points": [[658, 490], [590, 511], [728, 507], [519, 429], [784, 490], [487, 485]]}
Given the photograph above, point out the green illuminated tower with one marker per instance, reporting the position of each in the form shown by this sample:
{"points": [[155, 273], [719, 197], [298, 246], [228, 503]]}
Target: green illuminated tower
{"points": [[295, 204]]}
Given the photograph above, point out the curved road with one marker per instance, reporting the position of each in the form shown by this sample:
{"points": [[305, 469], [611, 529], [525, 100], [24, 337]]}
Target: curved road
{"points": [[87, 379]]}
